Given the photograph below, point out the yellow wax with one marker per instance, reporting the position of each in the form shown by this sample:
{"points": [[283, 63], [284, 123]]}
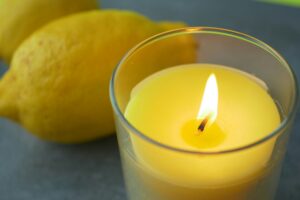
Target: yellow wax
{"points": [[164, 107]]}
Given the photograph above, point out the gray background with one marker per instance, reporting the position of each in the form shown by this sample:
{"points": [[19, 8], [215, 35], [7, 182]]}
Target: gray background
{"points": [[33, 169]]}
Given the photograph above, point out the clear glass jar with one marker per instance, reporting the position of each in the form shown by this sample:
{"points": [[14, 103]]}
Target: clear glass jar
{"points": [[215, 46]]}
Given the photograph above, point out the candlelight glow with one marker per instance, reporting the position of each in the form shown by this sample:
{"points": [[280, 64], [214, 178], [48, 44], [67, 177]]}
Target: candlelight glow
{"points": [[209, 105]]}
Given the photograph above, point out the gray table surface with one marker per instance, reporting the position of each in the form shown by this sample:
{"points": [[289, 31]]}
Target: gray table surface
{"points": [[33, 169]]}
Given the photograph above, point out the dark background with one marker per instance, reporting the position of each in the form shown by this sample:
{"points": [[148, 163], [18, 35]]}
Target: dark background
{"points": [[33, 169]]}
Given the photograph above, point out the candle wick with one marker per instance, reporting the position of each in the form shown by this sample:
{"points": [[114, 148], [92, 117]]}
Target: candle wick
{"points": [[201, 127]]}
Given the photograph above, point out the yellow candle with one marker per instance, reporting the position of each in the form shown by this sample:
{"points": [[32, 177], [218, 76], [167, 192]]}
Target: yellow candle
{"points": [[234, 109]]}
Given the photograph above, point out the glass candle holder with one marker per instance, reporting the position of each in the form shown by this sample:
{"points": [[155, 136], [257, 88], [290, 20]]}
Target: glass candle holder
{"points": [[155, 170]]}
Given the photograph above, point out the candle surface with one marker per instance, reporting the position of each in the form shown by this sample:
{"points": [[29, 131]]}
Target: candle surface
{"points": [[165, 107]]}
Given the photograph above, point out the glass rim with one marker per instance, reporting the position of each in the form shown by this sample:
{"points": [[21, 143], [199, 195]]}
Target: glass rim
{"points": [[211, 30]]}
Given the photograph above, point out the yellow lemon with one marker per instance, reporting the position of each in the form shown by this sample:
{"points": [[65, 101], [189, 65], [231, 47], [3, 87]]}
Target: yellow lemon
{"points": [[58, 83], [19, 18]]}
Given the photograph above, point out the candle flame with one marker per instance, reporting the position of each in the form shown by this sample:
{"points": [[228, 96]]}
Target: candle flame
{"points": [[209, 105]]}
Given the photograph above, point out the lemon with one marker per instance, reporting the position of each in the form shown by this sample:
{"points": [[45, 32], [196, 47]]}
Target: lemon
{"points": [[19, 18], [58, 83]]}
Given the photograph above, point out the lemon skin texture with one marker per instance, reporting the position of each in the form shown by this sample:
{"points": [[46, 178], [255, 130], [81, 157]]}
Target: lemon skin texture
{"points": [[20, 18], [58, 84]]}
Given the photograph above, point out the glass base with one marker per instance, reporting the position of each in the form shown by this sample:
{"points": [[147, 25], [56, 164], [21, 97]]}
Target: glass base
{"points": [[142, 185]]}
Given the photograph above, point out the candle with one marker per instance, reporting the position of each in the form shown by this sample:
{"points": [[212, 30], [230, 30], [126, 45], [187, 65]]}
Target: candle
{"points": [[203, 108]]}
